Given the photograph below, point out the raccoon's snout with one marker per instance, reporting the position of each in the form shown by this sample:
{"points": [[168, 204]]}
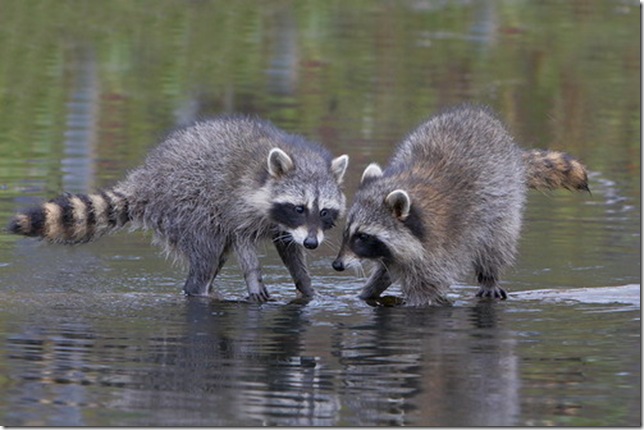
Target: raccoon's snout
{"points": [[338, 264], [311, 242], [309, 238], [346, 259]]}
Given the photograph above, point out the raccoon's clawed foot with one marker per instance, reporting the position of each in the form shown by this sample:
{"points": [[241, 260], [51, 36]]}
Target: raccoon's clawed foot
{"points": [[492, 293], [192, 289], [304, 296], [304, 291], [385, 301], [260, 296], [300, 300]]}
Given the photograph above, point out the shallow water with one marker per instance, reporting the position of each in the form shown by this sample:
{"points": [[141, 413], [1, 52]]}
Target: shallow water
{"points": [[100, 335]]}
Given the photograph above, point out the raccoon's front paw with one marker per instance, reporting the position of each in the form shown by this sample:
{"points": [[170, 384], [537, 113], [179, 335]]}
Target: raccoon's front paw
{"points": [[304, 290], [385, 301], [369, 294], [492, 293], [259, 296]]}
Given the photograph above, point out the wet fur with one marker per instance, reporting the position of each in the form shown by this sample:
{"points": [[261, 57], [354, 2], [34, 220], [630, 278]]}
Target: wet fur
{"points": [[213, 188], [466, 182]]}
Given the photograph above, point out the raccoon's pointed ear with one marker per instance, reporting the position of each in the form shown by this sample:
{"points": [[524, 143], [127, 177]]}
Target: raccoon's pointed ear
{"points": [[279, 163], [372, 171], [399, 203], [339, 167]]}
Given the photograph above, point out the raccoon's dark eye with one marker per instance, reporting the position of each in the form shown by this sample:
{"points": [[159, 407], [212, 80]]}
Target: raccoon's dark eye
{"points": [[328, 217], [361, 236], [288, 215], [368, 246]]}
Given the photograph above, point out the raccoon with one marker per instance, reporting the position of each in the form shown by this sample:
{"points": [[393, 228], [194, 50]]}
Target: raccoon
{"points": [[216, 186], [450, 201]]}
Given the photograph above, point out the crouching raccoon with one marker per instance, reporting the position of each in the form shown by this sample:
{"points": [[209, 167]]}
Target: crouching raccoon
{"points": [[450, 201], [211, 188]]}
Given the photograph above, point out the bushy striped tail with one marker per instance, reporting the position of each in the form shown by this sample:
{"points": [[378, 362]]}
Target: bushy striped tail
{"points": [[73, 218], [549, 170]]}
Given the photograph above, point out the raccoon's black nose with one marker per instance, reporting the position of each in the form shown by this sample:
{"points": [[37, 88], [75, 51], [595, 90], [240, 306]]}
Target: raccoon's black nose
{"points": [[338, 265], [310, 242]]}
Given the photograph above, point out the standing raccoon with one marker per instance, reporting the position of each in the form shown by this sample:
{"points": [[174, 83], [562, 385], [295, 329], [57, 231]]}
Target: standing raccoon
{"points": [[216, 186], [450, 201]]}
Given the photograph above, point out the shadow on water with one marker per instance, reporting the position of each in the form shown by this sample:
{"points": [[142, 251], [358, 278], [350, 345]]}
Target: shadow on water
{"points": [[155, 359], [246, 366], [235, 362], [405, 361]]}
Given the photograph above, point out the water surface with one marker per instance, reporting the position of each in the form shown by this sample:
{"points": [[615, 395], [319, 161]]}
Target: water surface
{"points": [[100, 335]]}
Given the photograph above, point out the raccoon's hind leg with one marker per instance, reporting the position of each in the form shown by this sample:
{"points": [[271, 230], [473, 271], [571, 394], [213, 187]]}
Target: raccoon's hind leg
{"points": [[205, 264], [246, 251], [489, 285], [293, 257], [490, 261], [378, 282]]}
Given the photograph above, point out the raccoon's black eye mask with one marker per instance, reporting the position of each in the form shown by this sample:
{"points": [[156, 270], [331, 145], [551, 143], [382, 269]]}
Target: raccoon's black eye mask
{"points": [[328, 217], [368, 246], [289, 214], [294, 216]]}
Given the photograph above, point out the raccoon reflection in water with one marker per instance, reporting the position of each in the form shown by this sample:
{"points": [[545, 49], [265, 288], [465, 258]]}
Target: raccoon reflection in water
{"points": [[450, 201], [208, 189]]}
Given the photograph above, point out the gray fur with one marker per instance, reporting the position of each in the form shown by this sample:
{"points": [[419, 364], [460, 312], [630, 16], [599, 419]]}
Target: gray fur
{"points": [[208, 189], [449, 202]]}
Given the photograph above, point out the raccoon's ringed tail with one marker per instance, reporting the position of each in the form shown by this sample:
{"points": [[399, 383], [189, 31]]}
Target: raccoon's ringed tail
{"points": [[73, 218], [549, 170]]}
